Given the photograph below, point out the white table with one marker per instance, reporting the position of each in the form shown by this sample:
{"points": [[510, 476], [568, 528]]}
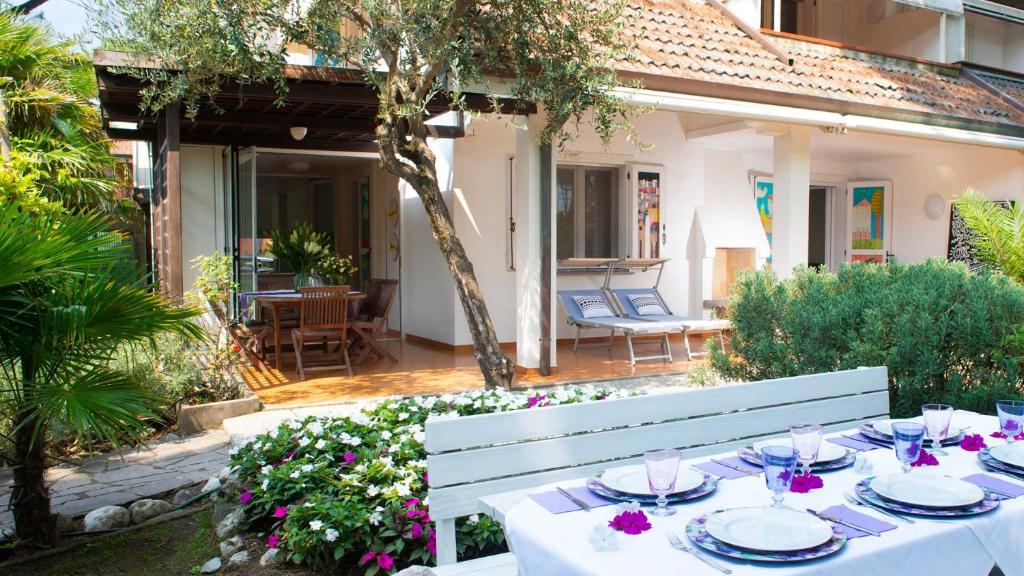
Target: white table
{"points": [[548, 544]]}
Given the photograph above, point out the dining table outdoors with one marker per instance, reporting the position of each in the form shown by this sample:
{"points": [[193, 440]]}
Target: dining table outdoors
{"points": [[552, 535]]}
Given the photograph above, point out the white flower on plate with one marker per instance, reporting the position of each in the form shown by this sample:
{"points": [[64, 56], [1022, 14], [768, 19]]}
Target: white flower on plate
{"points": [[627, 507], [315, 525], [330, 534], [603, 538], [304, 441], [320, 444]]}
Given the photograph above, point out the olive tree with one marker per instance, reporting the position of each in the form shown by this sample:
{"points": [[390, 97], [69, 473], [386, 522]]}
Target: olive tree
{"points": [[559, 55]]}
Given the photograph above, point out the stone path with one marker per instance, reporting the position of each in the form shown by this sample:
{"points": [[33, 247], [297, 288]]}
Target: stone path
{"points": [[128, 474]]}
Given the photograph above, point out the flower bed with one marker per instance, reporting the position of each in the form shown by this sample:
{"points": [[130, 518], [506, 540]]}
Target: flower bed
{"points": [[351, 491]]}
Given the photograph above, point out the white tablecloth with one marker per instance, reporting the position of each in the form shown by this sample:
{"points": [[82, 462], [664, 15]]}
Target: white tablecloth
{"points": [[548, 544]]}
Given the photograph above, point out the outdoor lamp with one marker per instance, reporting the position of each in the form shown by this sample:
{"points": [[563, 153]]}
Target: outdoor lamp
{"points": [[298, 132], [934, 206]]}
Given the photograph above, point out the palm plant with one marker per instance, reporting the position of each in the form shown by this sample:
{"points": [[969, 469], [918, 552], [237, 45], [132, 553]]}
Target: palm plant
{"points": [[997, 231], [70, 299]]}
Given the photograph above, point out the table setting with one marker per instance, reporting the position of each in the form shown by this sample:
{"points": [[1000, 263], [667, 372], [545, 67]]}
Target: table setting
{"points": [[942, 493]]}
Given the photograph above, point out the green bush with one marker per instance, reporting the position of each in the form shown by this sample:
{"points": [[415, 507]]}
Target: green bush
{"points": [[945, 334]]}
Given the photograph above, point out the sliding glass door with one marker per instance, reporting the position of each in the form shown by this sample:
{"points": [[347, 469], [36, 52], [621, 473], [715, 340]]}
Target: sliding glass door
{"points": [[246, 249]]}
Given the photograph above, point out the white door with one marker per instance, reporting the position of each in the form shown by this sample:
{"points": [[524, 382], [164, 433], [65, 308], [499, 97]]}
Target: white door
{"points": [[830, 17], [869, 221]]}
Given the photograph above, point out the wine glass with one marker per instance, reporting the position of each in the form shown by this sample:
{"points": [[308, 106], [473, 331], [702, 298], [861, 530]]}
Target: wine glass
{"points": [[907, 439], [662, 470], [806, 442], [779, 464], [936, 424], [1011, 416]]}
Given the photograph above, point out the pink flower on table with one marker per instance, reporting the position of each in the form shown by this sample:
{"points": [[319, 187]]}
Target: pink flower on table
{"points": [[973, 442], [273, 540], [631, 522], [280, 512], [537, 401], [926, 459], [349, 457], [804, 483], [998, 434], [245, 497], [1019, 436], [385, 561], [370, 555]]}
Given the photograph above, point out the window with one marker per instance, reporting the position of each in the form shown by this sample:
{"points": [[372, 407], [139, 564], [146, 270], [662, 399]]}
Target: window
{"points": [[587, 212]]}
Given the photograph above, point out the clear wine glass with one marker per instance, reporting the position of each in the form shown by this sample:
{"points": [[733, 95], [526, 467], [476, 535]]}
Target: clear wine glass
{"points": [[936, 424], [779, 466], [807, 442], [662, 470], [1011, 417], [907, 439]]}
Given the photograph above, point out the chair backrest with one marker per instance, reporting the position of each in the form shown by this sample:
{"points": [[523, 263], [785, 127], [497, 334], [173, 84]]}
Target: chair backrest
{"points": [[572, 308], [324, 308], [266, 281], [474, 456], [621, 296], [379, 298]]}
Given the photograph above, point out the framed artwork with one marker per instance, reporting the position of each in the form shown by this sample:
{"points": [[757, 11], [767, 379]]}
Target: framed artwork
{"points": [[869, 221], [764, 190]]}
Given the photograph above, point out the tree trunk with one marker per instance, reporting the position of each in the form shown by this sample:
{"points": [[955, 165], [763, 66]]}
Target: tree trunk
{"points": [[30, 497]]}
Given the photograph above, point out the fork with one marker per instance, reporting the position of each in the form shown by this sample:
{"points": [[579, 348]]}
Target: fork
{"points": [[680, 545], [858, 502]]}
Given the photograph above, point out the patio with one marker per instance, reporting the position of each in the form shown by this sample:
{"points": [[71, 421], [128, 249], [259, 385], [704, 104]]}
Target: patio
{"points": [[425, 367]]}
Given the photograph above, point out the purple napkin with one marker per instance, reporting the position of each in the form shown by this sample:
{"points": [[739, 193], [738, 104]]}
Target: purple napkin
{"points": [[725, 471], [871, 523], [556, 502], [857, 442], [985, 481]]}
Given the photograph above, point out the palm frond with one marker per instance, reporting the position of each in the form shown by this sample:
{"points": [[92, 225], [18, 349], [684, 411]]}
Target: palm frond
{"points": [[997, 232]]}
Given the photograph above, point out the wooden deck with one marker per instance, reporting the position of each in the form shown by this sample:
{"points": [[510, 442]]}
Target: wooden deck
{"points": [[426, 368]]}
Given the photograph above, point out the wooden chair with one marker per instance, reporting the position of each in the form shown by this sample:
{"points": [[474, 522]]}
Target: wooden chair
{"points": [[323, 320], [373, 318], [266, 281], [250, 339]]}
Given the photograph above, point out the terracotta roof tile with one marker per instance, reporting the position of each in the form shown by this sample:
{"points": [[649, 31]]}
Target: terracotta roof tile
{"points": [[694, 40]]}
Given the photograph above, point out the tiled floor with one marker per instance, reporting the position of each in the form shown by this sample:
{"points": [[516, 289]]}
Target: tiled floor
{"points": [[425, 368]]}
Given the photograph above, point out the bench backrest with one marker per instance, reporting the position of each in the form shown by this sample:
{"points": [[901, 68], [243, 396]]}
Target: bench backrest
{"points": [[474, 456]]}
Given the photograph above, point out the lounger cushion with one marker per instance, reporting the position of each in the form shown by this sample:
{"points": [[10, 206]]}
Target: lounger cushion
{"points": [[593, 306], [646, 304]]}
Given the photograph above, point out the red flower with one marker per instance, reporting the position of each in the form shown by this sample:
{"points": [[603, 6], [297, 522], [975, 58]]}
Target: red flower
{"points": [[349, 457], [973, 442], [367, 557], [245, 497], [385, 561], [631, 522], [280, 512], [804, 483]]}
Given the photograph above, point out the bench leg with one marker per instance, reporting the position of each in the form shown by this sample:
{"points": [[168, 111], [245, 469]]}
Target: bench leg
{"points": [[446, 553], [629, 345], [686, 341], [668, 347]]}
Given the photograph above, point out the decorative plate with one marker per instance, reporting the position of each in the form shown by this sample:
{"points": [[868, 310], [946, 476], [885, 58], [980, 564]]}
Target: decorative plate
{"points": [[863, 489], [768, 529], [870, 432], [1009, 454], [633, 480], [707, 487], [748, 454], [828, 452], [987, 459], [698, 534], [925, 490]]}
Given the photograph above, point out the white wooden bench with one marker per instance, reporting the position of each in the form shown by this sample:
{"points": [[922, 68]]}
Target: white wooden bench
{"points": [[488, 463]]}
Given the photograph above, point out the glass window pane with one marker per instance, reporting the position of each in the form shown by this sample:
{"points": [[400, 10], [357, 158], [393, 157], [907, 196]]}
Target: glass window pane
{"points": [[600, 214], [565, 212]]}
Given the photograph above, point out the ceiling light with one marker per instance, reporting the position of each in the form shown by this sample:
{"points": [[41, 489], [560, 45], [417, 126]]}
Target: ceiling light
{"points": [[298, 132], [119, 125], [298, 166]]}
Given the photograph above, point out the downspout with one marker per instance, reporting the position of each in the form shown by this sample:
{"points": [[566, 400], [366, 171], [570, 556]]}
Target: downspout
{"points": [[546, 216]]}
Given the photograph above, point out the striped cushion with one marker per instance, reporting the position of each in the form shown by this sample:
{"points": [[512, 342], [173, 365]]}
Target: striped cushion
{"points": [[647, 305], [593, 306]]}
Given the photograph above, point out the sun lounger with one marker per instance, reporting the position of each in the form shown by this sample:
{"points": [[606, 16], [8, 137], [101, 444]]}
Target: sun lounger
{"points": [[647, 305], [600, 315]]}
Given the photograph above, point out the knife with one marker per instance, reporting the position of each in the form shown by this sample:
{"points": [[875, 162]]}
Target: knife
{"points": [[583, 505], [747, 471], [835, 520]]}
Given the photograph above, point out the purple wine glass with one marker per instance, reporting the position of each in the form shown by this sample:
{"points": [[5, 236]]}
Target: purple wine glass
{"points": [[907, 440], [779, 464], [1011, 416]]}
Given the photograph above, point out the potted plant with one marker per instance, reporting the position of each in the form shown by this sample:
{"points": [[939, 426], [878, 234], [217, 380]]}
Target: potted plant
{"points": [[299, 252], [334, 269]]}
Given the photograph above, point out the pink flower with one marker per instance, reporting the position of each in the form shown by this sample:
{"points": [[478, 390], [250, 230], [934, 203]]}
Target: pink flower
{"points": [[926, 459], [536, 401], [385, 561], [998, 434], [631, 522], [1019, 436], [367, 557], [272, 540], [280, 512], [973, 442], [416, 530], [431, 544], [245, 497], [411, 502], [349, 457], [426, 480], [806, 482]]}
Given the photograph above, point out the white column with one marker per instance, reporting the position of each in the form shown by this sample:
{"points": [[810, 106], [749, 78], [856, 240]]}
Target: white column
{"points": [[791, 199], [528, 245]]}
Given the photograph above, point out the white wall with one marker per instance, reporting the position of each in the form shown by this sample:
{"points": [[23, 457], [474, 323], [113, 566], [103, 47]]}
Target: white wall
{"points": [[202, 206], [995, 43]]}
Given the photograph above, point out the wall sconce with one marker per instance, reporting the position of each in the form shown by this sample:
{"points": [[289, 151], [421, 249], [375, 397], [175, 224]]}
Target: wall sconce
{"points": [[934, 206], [298, 132]]}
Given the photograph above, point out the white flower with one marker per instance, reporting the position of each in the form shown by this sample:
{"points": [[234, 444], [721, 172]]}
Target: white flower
{"points": [[385, 434], [304, 441], [355, 441], [315, 428], [401, 490], [320, 444], [474, 519], [603, 538], [265, 484], [330, 535], [294, 424], [372, 490], [307, 468], [316, 525], [266, 470], [403, 415], [627, 507], [418, 436], [294, 474], [375, 518]]}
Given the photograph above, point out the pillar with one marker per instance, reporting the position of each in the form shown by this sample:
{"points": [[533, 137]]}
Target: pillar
{"points": [[791, 157]]}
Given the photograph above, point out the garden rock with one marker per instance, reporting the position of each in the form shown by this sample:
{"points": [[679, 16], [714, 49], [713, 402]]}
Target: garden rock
{"points": [[230, 546], [222, 509], [211, 566], [143, 510], [240, 558], [212, 484], [107, 518], [65, 523], [226, 473], [182, 496], [417, 571], [270, 558], [231, 524]]}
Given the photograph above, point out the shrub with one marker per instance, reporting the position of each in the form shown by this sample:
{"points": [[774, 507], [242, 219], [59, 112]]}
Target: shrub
{"points": [[946, 335], [351, 491]]}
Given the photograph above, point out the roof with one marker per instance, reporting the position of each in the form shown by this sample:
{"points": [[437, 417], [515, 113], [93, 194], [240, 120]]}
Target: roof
{"points": [[705, 52]]}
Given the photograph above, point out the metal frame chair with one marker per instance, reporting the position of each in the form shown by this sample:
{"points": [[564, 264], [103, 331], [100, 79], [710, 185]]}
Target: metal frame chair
{"points": [[630, 327], [621, 298]]}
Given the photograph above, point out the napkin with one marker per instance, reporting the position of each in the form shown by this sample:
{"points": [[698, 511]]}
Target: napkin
{"points": [[556, 502], [870, 522], [856, 442], [725, 471], [986, 481]]}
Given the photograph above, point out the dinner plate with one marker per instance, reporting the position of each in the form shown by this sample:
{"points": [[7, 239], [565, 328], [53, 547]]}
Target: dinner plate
{"points": [[748, 454], [863, 489], [998, 466], [633, 480], [870, 432], [828, 452], [709, 485], [768, 529], [926, 490], [697, 533], [1009, 454], [884, 427]]}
